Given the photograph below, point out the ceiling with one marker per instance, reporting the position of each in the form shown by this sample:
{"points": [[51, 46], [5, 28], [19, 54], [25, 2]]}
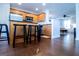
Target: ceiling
{"points": [[56, 9]]}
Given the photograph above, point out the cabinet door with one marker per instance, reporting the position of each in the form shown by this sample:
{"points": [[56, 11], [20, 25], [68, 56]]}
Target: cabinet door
{"points": [[16, 17], [41, 17], [47, 30]]}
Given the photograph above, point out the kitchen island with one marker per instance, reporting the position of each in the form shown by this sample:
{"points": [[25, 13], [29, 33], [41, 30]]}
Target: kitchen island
{"points": [[19, 29]]}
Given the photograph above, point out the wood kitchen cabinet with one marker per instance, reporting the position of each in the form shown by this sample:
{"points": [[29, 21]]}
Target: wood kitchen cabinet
{"points": [[41, 17]]}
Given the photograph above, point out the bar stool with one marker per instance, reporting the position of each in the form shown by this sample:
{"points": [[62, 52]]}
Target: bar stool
{"points": [[29, 33], [36, 33], [39, 32], [25, 34], [6, 31]]}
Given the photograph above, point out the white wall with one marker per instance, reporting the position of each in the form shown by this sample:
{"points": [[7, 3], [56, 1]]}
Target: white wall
{"points": [[4, 13], [61, 23], [55, 28], [77, 21], [55, 25], [68, 23]]}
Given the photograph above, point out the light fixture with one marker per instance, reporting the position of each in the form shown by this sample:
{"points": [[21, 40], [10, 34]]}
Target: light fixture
{"points": [[43, 4], [36, 9], [19, 3]]}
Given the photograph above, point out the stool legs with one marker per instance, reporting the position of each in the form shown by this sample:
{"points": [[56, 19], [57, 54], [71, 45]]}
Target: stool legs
{"points": [[14, 37], [0, 30], [24, 30], [39, 33], [35, 33], [29, 32], [25, 35], [7, 34]]}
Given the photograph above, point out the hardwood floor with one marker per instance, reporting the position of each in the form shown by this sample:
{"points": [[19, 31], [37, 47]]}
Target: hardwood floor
{"points": [[64, 46]]}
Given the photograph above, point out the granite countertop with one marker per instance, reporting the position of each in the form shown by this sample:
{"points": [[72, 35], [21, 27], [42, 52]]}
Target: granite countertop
{"points": [[22, 21], [39, 23]]}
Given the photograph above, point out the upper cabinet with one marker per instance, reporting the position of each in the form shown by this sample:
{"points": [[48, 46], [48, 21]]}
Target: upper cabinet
{"points": [[16, 17], [22, 15], [41, 17]]}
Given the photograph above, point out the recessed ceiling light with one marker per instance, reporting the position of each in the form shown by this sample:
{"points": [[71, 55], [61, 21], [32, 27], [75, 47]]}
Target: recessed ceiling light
{"points": [[36, 9], [19, 3], [43, 4]]}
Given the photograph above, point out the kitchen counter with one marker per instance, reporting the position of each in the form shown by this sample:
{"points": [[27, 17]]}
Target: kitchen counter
{"points": [[21, 28], [23, 22]]}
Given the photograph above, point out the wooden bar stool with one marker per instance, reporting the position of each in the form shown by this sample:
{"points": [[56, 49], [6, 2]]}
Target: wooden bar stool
{"points": [[35, 33], [25, 34], [39, 32], [6, 31], [29, 33], [35, 27]]}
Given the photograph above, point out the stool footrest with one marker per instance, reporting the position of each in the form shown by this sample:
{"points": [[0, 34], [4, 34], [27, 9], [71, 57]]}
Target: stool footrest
{"points": [[3, 31], [3, 37]]}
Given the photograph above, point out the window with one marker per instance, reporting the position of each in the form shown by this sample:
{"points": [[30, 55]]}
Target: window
{"points": [[16, 17]]}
